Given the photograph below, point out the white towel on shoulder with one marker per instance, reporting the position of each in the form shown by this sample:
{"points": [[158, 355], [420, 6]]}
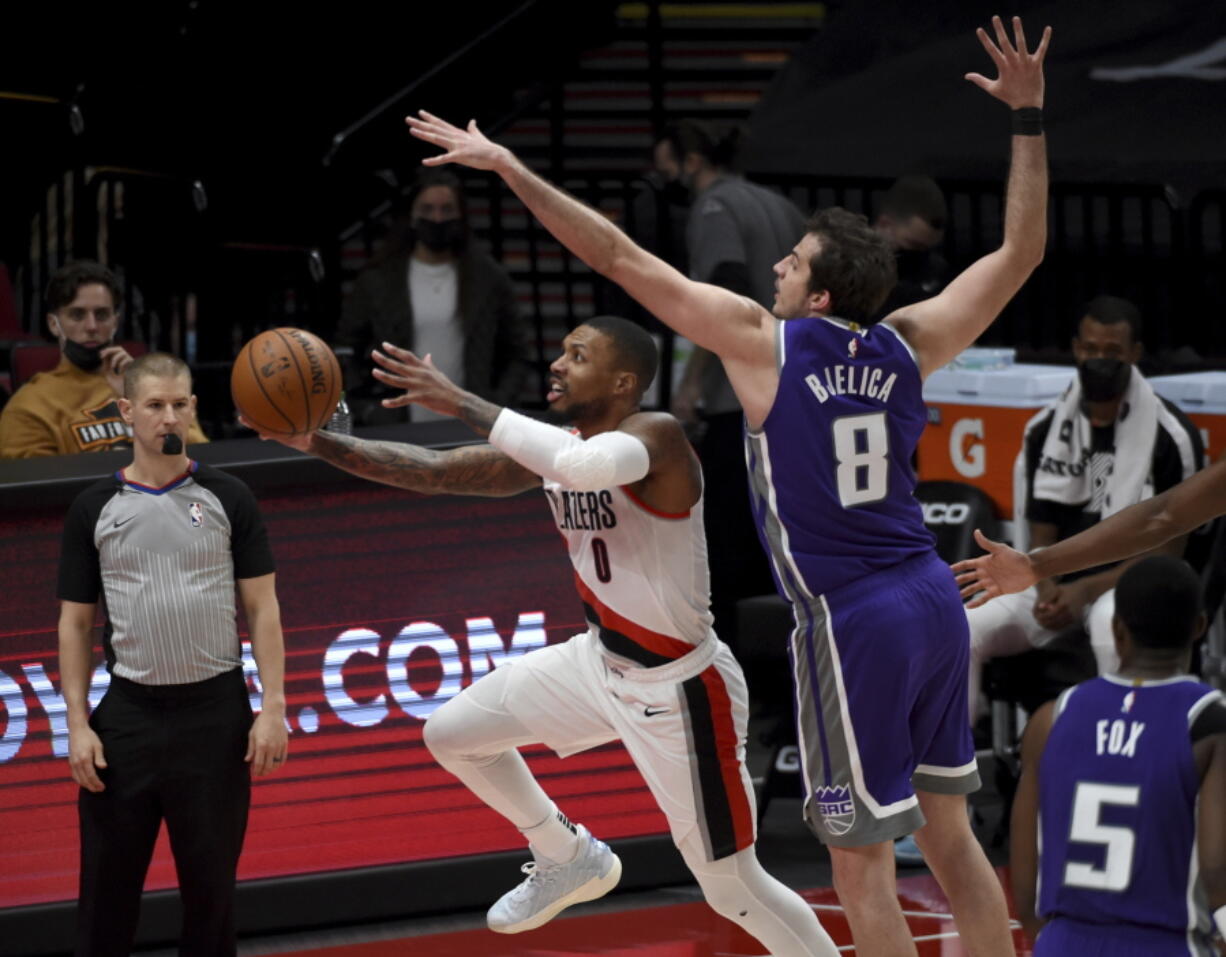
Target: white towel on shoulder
{"points": [[1070, 474]]}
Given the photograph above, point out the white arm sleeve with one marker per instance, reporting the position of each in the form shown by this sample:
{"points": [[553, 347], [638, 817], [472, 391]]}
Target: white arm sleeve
{"points": [[603, 461]]}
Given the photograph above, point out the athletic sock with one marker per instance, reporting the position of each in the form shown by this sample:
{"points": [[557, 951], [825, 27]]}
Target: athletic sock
{"points": [[554, 839]]}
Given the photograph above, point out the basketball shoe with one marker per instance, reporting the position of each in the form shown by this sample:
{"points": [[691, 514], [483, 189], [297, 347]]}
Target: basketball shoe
{"points": [[550, 888]]}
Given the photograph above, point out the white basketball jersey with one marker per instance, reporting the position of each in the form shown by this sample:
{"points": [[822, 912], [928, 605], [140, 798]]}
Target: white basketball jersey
{"points": [[641, 573]]}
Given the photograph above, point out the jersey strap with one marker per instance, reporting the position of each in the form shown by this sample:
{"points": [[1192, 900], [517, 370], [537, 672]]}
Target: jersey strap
{"points": [[625, 638]]}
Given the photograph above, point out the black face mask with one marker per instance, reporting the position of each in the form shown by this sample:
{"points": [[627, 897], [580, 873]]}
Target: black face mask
{"points": [[439, 236], [1103, 379], [85, 358]]}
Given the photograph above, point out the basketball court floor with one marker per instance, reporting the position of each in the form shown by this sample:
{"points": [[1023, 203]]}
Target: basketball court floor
{"points": [[666, 922]]}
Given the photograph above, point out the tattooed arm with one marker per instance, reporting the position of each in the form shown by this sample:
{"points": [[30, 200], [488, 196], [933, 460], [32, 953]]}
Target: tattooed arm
{"points": [[469, 470]]}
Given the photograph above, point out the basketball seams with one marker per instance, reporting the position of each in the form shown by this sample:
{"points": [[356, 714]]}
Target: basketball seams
{"points": [[302, 379], [255, 377], [290, 374]]}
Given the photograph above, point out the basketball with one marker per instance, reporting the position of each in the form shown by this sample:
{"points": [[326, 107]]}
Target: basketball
{"points": [[286, 382]]}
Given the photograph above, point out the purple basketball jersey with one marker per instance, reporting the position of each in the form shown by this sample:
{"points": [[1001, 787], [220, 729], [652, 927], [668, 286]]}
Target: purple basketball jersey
{"points": [[1118, 786], [831, 477]]}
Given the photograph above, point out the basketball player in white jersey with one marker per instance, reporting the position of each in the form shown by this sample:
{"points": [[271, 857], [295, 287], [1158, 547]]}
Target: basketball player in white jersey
{"points": [[626, 492], [833, 413]]}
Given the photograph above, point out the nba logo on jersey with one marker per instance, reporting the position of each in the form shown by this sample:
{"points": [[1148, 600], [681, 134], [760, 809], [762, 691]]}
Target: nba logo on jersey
{"points": [[853, 347], [836, 807], [196, 513], [1129, 700]]}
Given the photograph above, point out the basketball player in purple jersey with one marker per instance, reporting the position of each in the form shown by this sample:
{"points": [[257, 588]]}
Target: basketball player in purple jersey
{"points": [[833, 413], [1118, 825]]}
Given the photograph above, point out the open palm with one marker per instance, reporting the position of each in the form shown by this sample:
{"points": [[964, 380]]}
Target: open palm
{"points": [[1020, 82], [468, 147]]}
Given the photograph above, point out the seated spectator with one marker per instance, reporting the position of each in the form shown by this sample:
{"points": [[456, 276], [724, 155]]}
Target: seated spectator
{"points": [[1108, 442], [74, 407], [436, 293], [912, 219]]}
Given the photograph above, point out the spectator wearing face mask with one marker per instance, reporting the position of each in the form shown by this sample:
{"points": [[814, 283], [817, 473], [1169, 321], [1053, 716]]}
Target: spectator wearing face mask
{"points": [[912, 220], [436, 293], [1107, 443], [75, 406]]}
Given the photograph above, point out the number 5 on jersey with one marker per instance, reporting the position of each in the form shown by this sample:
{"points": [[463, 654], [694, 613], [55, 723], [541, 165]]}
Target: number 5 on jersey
{"points": [[1087, 828], [862, 451]]}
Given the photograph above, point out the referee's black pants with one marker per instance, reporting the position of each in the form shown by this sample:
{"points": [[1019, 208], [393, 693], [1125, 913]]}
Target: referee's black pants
{"points": [[173, 753]]}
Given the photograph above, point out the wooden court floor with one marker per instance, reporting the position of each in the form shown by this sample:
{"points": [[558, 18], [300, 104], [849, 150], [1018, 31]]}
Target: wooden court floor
{"points": [[639, 928]]}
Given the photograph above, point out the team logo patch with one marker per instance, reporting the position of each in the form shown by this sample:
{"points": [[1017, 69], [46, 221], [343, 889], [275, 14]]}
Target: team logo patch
{"points": [[853, 347], [836, 807], [196, 513]]}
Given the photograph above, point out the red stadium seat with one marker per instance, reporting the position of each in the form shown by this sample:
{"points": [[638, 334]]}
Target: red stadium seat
{"points": [[10, 325]]}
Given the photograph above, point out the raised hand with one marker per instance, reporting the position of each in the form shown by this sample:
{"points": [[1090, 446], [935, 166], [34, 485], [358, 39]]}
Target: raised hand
{"points": [[423, 384], [1020, 82], [468, 147], [1002, 571]]}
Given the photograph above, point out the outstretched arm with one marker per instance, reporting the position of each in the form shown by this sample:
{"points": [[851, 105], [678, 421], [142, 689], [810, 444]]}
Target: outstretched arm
{"points": [[729, 325], [941, 327], [471, 470], [1138, 528]]}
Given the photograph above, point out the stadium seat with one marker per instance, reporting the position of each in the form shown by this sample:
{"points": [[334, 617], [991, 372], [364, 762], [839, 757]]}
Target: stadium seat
{"points": [[952, 512], [10, 326]]}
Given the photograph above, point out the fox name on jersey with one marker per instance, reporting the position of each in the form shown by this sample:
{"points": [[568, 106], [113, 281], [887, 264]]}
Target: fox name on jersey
{"points": [[583, 511], [1116, 737], [870, 381]]}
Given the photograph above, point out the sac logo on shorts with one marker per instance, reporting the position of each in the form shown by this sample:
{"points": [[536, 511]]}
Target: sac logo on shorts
{"points": [[836, 807], [196, 513]]}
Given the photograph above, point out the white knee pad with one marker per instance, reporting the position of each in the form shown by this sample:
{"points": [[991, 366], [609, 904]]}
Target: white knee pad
{"points": [[443, 733], [475, 726]]}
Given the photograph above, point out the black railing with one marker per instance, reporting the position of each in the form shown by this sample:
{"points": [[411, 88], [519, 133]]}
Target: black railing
{"points": [[1130, 240], [396, 101]]}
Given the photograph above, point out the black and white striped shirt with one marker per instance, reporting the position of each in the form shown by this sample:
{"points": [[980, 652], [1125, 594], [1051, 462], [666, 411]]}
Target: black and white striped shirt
{"points": [[164, 561], [1178, 452]]}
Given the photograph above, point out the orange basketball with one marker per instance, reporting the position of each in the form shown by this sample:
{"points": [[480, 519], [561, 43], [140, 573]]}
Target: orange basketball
{"points": [[286, 382]]}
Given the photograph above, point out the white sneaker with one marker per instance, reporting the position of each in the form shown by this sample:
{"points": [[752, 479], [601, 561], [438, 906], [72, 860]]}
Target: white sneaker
{"points": [[550, 888]]}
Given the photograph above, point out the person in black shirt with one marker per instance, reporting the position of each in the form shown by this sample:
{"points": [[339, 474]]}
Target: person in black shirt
{"points": [[163, 544], [912, 218], [1108, 442]]}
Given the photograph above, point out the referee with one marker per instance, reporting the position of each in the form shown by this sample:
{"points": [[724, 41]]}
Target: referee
{"points": [[164, 542]]}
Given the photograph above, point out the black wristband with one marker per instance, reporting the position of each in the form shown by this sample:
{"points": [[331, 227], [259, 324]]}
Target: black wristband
{"points": [[1028, 121]]}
